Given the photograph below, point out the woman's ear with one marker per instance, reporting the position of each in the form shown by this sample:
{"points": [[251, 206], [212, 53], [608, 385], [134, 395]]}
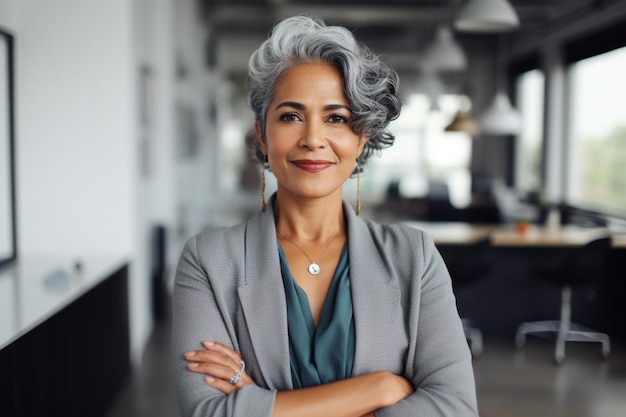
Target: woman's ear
{"points": [[259, 137], [361, 146]]}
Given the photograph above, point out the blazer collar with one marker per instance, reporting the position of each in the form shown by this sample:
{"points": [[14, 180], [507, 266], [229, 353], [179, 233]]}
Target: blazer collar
{"points": [[263, 295]]}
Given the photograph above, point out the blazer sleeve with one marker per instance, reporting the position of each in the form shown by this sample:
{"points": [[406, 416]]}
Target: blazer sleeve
{"points": [[198, 316], [442, 369]]}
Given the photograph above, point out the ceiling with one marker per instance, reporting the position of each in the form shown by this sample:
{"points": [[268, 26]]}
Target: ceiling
{"points": [[397, 30]]}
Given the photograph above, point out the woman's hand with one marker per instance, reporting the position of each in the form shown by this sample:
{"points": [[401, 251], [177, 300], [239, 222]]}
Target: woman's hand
{"points": [[395, 388], [219, 363]]}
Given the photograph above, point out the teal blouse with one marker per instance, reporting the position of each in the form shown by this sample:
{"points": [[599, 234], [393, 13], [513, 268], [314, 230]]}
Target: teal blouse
{"points": [[324, 354]]}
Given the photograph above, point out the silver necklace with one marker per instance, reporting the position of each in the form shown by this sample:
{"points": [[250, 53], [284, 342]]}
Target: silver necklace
{"points": [[313, 268]]}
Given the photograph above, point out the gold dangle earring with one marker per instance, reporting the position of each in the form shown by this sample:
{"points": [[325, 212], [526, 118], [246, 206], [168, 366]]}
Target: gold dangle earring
{"points": [[358, 188], [263, 184]]}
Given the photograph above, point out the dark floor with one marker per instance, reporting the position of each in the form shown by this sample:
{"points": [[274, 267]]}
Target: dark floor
{"points": [[149, 392], [510, 382]]}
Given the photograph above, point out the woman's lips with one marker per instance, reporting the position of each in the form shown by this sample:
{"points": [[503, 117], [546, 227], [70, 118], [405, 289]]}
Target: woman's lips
{"points": [[311, 166]]}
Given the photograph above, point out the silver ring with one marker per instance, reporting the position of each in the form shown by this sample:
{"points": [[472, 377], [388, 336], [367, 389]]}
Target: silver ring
{"points": [[237, 377]]}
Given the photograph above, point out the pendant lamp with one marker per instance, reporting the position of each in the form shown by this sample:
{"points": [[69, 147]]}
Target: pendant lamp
{"points": [[501, 118], [429, 83], [444, 54], [463, 122], [486, 16]]}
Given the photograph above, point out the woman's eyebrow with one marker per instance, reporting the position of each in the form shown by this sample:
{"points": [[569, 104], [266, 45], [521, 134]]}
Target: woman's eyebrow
{"points": [[337, 107], [300, 106], [292, 104]]}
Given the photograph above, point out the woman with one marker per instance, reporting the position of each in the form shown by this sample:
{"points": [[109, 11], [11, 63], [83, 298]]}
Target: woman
{"points": [[307, 309]]}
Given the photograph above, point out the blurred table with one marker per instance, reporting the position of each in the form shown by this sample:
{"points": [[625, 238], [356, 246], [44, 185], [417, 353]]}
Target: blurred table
{"points": [[455, 233], [565, 236], [461, 233]]}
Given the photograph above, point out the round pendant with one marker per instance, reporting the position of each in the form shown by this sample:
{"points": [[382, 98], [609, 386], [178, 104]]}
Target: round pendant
{"points": [[314, 268]]}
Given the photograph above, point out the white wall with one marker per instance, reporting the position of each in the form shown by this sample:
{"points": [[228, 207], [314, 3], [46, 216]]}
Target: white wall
{"points": [[75, 112], [7, 14]]}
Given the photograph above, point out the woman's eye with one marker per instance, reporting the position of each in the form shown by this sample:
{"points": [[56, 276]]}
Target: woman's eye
{"points": [[289, 117], [337, 118]]}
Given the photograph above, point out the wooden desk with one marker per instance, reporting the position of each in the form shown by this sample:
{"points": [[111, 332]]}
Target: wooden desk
{"points": [[455, 233], [538, 236], [460, 233]]}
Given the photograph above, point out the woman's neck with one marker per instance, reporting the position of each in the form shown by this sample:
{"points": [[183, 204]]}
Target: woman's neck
{"points": [[311, 220]]}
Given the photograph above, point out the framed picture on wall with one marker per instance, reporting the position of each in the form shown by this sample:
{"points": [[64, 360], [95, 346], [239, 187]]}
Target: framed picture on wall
{"points": [[8, 238]]}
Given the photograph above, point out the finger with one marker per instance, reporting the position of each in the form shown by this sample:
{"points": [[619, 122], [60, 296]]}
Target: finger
{"points": [[210, 357], [221, 385], [217, 371], [218, 355], [245, 379], [220, 373], [212, 363], [223, 349]]}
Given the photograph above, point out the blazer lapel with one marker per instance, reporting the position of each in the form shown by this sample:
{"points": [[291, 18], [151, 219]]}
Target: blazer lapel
{"points": [[263, 301], [375, 299]]}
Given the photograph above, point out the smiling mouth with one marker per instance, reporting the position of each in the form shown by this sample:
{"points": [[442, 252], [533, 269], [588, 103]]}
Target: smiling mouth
{"points": [[312, 166]]}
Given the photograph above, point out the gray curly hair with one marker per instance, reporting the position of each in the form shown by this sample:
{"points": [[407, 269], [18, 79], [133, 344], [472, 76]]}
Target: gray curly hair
{"points": [[370, 85]]}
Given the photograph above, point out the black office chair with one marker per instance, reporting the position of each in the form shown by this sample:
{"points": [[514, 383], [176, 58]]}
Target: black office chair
{"points": [[582, 267], [467, 264]]}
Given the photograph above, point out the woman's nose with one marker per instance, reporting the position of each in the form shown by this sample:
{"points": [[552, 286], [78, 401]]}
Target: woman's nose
{"points": [[313, 135]]}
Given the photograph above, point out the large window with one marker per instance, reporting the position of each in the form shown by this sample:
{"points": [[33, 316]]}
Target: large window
{"points": [[597, 132], [529, 95]]}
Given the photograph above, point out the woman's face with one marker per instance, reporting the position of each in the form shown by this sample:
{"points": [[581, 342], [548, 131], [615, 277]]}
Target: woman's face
{"points": [[309, 141]]}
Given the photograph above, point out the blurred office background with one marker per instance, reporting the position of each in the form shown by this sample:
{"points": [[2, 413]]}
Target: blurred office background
{"points": [[130, 128]]}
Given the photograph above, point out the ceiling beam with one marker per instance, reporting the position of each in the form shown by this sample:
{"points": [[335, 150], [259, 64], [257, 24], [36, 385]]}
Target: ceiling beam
{"points": [[232, 16], [263, 15]]}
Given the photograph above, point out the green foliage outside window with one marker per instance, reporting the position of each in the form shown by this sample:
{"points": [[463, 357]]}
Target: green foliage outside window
{"points": [[604, 169]]}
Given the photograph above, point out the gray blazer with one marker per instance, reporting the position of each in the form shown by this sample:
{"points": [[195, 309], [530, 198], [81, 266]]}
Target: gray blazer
{"points": [[228, 288]]}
